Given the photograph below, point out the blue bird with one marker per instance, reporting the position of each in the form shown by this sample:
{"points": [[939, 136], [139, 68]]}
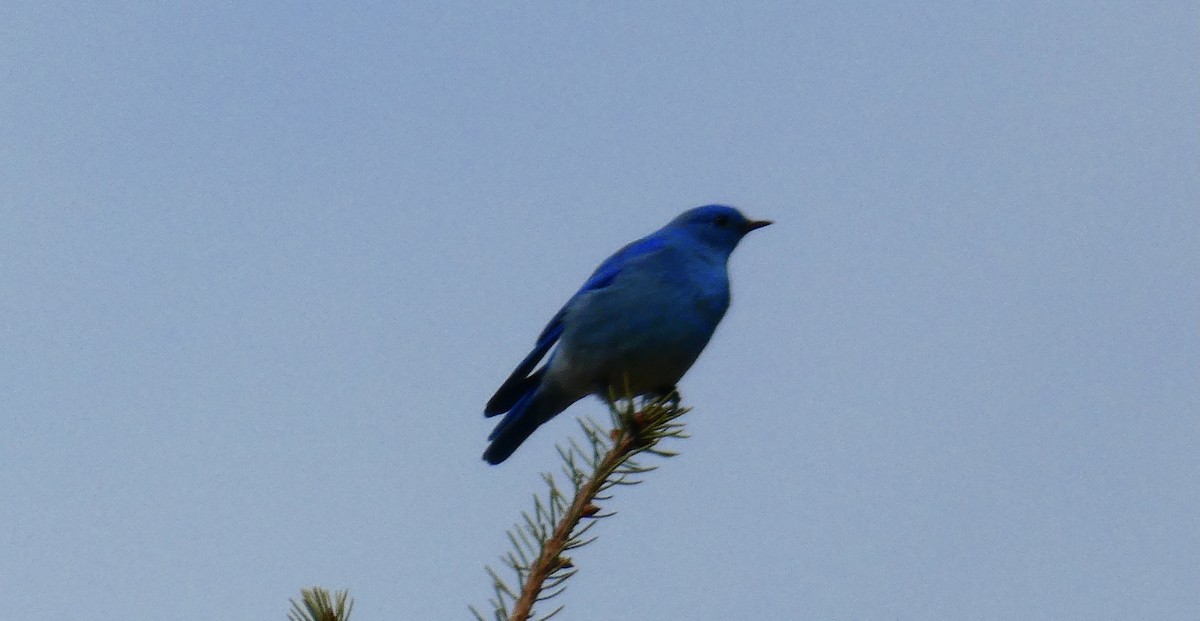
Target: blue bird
{"points": [[643, 317]]}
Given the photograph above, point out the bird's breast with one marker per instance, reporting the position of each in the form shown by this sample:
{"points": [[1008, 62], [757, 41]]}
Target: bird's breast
{"points": [[647, 329]]}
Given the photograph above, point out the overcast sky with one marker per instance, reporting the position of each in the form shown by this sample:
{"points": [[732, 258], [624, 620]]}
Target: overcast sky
{"points": [[261, 265]]}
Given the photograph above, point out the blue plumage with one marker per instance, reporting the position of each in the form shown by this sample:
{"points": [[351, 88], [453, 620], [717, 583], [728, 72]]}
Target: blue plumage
{"points": [[642, 317]]}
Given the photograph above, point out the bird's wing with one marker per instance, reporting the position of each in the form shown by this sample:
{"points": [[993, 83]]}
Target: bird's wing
{"points": [[521, 381]]}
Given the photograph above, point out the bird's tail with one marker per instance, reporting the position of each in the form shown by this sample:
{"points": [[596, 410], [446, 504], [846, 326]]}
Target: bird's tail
{"points": [[530, 411]]}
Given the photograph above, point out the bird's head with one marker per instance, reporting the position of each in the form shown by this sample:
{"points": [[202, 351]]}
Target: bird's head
{"points": [[718, 226]]}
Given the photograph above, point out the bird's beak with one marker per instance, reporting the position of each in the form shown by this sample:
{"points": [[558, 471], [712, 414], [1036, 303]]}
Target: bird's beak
{"points": [[756, 224]]}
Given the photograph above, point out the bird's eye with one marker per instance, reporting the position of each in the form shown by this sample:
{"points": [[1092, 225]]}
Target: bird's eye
{"points": [[721, 221]]}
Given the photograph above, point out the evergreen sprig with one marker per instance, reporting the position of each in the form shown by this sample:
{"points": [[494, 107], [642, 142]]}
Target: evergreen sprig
{"points": [[320, 606], [604, 460]]}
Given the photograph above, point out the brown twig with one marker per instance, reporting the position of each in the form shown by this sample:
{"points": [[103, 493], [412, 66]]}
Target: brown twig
{"points": [[605, 459], [625, 444]]}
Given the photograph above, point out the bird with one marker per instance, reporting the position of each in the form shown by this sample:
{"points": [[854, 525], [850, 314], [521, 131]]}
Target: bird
{"points": [[635, 326]]}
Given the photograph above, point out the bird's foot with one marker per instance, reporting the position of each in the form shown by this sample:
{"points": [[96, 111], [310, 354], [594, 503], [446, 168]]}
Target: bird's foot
{"points": [[666, 394]]}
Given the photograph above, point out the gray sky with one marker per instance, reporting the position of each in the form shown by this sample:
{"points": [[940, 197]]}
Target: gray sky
{"points": [[261, 266]]}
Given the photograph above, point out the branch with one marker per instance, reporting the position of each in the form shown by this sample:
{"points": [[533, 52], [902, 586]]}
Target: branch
{"points": [[557, 526], [319, 606]]}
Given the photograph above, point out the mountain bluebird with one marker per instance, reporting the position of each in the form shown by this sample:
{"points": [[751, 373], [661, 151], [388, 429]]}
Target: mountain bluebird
{"points": [[636, 325]]}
